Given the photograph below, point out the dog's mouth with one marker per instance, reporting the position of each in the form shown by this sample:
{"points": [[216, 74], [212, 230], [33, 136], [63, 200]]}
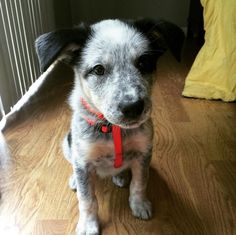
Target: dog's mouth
{"points": [[131, 124]]}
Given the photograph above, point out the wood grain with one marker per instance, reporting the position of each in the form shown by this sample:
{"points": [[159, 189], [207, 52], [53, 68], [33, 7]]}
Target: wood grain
{"points": [[192, 180]]}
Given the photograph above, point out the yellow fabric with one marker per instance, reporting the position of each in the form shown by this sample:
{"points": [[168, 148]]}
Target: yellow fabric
{"points": [[213, 73]]}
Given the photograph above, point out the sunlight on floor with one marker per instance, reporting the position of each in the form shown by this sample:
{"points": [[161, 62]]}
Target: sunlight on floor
{"points": [[4, 152], [8, 226]]}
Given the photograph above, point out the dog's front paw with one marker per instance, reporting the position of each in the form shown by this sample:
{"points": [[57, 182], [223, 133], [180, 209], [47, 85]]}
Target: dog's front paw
{"points": [[87, 228], [141, 208]]}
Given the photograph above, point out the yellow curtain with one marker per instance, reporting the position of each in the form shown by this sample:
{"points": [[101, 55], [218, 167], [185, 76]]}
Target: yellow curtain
{"points": [[213, 73]]}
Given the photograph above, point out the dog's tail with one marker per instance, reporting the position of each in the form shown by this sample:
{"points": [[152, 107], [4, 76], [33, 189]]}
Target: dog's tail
{"points": [[66, 146]]}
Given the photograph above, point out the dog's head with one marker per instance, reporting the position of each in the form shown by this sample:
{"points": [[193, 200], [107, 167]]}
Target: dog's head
{"points": [[114, 63]]}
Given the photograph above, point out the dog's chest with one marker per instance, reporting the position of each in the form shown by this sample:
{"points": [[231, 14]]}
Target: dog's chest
{"points": [[101, 153]]}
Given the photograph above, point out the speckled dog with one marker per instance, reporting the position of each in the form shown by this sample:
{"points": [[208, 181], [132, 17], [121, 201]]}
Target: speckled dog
{"points": [[111, 130]]}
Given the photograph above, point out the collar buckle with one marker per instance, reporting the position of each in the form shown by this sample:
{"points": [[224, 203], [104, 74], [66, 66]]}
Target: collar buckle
{"points": [[106, 129]]}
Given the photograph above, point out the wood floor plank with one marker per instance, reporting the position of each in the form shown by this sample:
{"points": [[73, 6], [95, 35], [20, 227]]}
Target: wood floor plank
{"points": [[50, 227]]}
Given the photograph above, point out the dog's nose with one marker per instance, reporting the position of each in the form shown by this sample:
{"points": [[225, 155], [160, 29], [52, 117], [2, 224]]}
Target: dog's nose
{"points": [[132, 110]]}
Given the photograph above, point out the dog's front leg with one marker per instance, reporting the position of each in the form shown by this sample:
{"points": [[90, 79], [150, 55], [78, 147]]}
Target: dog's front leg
{"points": [[139, 204], [88, 206]]}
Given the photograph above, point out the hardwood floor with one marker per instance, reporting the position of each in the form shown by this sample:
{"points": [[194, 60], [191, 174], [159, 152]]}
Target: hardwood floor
{"points": [[193, 171]]}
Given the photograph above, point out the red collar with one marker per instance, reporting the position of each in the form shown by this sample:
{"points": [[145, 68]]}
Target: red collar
{"points": [[116, 132]]}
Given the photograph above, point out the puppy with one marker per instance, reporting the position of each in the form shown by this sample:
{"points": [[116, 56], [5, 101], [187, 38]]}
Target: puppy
{"points": [[111, 130]]}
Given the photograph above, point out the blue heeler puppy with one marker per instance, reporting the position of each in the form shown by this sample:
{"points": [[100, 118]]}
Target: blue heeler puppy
{"points": [[111, 130]]}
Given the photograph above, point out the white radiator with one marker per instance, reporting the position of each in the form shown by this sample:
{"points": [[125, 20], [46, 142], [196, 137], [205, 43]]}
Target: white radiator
{"points": [[21, 22]]}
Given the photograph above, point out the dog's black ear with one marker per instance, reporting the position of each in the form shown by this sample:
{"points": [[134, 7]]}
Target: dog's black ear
{"points": [[163, 35], [64, 44]]}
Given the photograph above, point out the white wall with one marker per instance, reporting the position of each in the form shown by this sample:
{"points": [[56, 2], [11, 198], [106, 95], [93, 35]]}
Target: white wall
{"points": [[92, 10]]}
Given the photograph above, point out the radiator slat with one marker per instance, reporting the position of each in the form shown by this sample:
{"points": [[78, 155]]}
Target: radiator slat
{"points": [[10, 44], [22, 21]]}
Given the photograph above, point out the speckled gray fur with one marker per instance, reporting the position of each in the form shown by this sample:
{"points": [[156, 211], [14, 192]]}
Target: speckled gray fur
{"points": [[126, 55]]}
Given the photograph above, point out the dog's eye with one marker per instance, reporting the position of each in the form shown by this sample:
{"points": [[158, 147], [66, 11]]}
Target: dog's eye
{"points": [[146, 64], [98, 70]]}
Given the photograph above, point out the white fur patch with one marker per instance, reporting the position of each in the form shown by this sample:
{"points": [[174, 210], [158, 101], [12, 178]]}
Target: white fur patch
{"points": [[115, 31], [110, 37]]}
